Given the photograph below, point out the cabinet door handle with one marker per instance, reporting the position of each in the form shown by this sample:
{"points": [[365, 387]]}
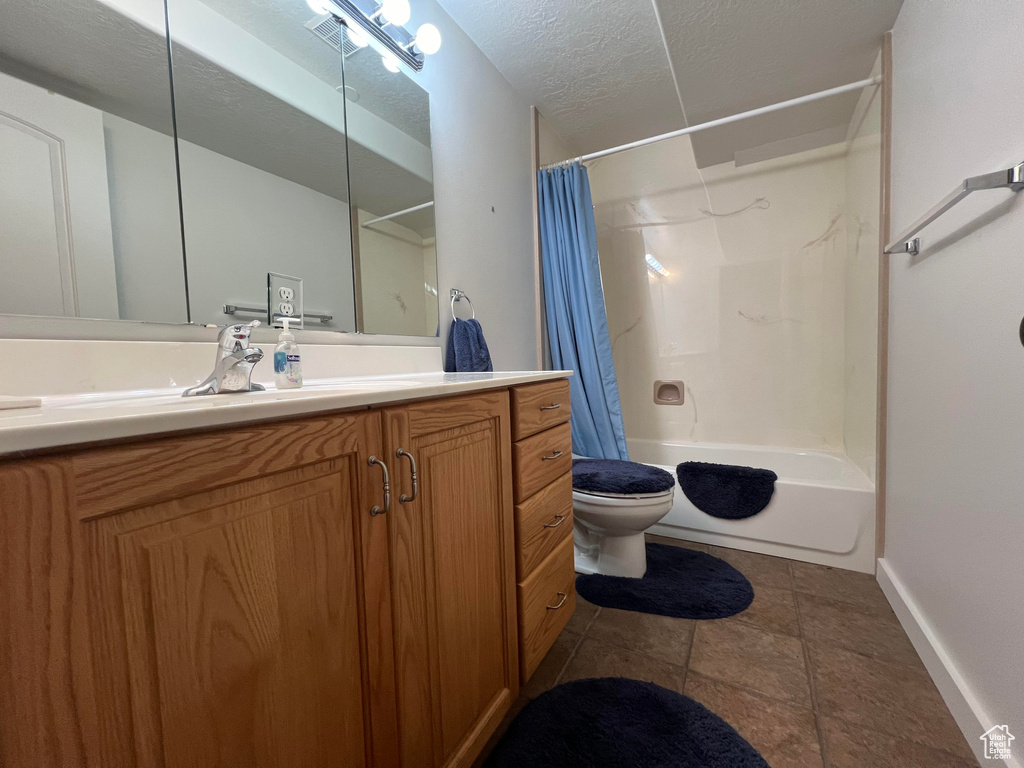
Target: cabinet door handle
{"points": [[387, 488], [552, 457], [560, 602], [559, 519], [403, 499], [552, 407]]}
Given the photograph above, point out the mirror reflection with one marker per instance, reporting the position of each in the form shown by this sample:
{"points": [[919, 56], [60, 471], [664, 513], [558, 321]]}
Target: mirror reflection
{"points": [[261, 139], [87, 175], [392, 197]]}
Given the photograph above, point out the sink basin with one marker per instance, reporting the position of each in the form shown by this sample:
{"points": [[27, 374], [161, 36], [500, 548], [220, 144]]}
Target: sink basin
{"points": [[172, 397]]}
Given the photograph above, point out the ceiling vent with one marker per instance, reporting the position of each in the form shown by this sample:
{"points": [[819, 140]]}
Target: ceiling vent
{"points": [[328, 29]]}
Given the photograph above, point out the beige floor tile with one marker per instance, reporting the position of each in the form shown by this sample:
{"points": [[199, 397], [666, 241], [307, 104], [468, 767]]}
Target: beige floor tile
{"points": [[891, 698], [581, 618], [773, 609], [784, 733], [732, 652], [661, 637], [596, 659], [839, 584], [547, 673], [760, 570], [872, 631], [850, 746]]}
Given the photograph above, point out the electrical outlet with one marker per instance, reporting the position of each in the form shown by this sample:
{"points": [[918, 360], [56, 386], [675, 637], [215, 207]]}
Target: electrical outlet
{"points": [[285, 295]]}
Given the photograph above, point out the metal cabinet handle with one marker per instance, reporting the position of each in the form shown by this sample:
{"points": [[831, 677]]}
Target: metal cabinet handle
{"points": [[552, 407], [552, 457], [387, 488], [403, 499], [559, 519], [560, 602]]}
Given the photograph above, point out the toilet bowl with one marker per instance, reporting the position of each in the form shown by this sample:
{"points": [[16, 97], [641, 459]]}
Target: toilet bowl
{"points": [[608, 530]]}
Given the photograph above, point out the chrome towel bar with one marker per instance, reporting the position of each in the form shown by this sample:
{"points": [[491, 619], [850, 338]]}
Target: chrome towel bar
{"points": [[1011, 178], [230, 309]]}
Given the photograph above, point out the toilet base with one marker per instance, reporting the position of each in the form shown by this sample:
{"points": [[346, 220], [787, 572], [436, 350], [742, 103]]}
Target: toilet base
{"points": [[610, 555]]}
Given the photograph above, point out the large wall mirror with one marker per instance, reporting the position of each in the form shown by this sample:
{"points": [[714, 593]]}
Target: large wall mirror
{"points": [[89, 223], [392, 197], [290, 174]]}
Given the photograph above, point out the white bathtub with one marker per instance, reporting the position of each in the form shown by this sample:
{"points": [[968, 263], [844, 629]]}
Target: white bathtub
{"points": [[823, 509]]}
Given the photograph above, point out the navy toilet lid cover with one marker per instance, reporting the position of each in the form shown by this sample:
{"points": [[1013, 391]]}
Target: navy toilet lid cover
{"points": [[615, 476]]}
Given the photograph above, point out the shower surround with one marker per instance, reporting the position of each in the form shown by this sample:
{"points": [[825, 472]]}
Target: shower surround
{"points": [[768, 314]]}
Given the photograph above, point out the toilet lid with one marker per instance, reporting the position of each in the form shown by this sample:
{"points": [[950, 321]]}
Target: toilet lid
{"points": [[613, 477]]}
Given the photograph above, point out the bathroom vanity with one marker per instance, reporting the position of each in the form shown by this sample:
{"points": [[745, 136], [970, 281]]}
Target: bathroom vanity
{"points": [[364, 583]]}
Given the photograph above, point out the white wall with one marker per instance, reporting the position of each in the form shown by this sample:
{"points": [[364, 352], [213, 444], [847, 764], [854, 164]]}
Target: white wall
{"points": [[480, 132], [860, 322], [751, 316], [955, 496]]}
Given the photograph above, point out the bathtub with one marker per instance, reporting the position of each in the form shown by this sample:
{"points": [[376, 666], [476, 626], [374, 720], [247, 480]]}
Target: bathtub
{"points": [[822, 511]]}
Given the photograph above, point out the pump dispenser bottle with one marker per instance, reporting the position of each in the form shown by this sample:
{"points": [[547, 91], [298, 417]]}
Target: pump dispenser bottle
{"points": [[287, 360]]}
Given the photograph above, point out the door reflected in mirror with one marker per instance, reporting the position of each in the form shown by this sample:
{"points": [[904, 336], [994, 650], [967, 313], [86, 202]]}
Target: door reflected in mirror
{"points": [[392, 198], [262, 153], [89, 218]]}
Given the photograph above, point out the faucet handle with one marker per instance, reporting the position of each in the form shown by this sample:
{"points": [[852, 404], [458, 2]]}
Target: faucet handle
{"points": [[235, 337]]}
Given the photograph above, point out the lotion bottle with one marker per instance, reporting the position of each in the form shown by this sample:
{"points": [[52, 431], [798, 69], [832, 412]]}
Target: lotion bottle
{"points": [[287, 360]]}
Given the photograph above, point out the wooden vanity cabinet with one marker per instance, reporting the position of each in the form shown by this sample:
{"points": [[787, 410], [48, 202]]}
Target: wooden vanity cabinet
{"points": [[227, 598], [191, 601], [452, 575]]}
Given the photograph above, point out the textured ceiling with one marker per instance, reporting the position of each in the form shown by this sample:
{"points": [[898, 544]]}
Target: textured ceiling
{"points": [[600, 71]]}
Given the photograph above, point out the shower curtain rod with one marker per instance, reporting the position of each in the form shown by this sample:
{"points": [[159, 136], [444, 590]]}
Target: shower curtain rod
{"points": [[724, 120]]}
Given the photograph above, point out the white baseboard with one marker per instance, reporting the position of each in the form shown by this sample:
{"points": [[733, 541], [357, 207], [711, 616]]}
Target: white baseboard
{"points": [[962, 703]]}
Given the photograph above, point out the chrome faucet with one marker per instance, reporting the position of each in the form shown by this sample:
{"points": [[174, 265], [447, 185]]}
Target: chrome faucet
{"points": [[235, 361]]}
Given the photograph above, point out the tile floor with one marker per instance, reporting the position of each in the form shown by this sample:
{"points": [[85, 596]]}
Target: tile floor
{"points": [[817, 672]]}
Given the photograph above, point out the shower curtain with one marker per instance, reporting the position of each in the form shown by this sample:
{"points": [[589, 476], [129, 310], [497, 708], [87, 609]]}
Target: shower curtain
{"points": [[575, 312]]}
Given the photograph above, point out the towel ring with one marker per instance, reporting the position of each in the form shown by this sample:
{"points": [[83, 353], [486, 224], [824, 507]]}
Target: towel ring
{"points": [[458, 295]]}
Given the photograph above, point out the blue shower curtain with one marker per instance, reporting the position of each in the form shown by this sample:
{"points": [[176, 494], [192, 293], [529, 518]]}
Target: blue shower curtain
{"points": [[575, 313]]}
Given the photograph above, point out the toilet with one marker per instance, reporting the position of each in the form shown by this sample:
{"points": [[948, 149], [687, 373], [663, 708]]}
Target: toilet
{"points": [[613, 503]]}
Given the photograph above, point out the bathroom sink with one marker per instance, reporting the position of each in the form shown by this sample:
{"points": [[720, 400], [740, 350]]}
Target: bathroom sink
{"points": [[172, 397]]}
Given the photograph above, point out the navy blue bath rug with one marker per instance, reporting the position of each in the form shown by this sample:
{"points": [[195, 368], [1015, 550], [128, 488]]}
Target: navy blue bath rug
{"points": [[724, 490], [679, 582], [612, 722]]}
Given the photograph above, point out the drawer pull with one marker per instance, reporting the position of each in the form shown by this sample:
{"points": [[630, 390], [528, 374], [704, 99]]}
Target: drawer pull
{"points": [[559, 519], [404, 499], [552, 457], [387, 488], [560, 602], [552, 407]]}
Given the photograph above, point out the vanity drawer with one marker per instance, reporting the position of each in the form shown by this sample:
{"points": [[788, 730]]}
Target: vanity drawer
{"points": [[538, 460], [547, 599], [542, 521], [536, 407]]}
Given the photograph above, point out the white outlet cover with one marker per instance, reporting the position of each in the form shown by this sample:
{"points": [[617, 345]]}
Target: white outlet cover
{"points": [[285, 292]]}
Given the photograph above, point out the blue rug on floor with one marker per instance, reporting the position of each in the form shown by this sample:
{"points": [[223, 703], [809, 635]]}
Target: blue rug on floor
{"points": [[679, 582], [612, 722]]}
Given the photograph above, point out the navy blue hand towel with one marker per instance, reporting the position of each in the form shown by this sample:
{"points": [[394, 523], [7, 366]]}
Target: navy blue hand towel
{"points": [[467, 349]]}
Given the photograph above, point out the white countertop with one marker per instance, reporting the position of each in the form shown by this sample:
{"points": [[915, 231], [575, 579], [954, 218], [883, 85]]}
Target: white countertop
{"points": [[74, 419]]}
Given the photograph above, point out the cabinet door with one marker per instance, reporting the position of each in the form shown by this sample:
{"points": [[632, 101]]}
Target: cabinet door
{"points": [[227, 624], [453, 576]]}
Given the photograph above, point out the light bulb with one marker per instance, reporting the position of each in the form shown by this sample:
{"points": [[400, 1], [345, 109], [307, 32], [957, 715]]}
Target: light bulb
{"points": [[396, 12], [390, 62], [319, 6], [428, 39], [357, 37]]}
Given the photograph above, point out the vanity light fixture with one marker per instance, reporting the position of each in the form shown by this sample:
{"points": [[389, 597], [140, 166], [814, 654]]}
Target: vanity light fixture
{"points": [[380, 24], [654, 266]]}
